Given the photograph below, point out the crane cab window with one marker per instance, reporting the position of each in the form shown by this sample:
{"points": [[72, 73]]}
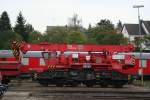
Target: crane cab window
{"points": [[53, 54], [47, 55], [143, 63], [25, 61]]}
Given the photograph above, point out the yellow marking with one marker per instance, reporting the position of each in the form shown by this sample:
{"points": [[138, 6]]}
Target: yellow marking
{"points": [[51, 66]]}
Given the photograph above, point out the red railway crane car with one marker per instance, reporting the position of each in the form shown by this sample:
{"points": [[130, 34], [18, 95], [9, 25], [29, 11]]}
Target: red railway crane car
{"points": [[139, 68], [9, 66], [72, 64]]}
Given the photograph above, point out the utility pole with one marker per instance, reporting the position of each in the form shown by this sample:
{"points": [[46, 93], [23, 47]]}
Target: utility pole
{"points": [[140, 34]]}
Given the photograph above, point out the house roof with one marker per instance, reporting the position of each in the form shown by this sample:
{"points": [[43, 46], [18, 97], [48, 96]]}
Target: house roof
{"points": [[147, 25], [133, 29]]}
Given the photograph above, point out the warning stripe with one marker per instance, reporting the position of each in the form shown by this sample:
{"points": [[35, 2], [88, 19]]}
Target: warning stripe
{"points": [[16, 50], [133, 59], [51, 66]]}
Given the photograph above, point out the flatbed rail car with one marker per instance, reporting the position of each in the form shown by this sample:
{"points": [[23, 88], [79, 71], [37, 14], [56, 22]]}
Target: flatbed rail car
{"points": [[31, 62], [87, 64], [137, 69], [9, 66]]}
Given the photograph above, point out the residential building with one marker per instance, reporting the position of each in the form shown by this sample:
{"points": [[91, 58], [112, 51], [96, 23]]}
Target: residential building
{"points": [[131, 31]]}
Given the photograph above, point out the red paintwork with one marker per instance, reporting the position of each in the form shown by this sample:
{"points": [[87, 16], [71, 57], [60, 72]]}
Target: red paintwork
{"points": [[9, 66], [32, 66], [132, 70], [135, 69], [98, 61], [146, 70], [76, 47], [64, 62]]}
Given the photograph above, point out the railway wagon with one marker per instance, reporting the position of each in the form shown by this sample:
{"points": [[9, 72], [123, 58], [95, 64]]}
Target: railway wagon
{"points": [[75, 63], [69, 63], [9, 66], [32, 63], [142, 65]]}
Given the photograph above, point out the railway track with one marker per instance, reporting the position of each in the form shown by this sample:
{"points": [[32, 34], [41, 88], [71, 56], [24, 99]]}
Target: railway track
{"points": [[96, 95], [48, 95], [33, 91]]}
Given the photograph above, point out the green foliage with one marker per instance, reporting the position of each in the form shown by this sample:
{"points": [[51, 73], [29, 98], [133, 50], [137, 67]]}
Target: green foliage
{"points": [[142, 43], [6, 38], [35, 37], [0, 25], [146, 39], [104, 26], [119, 26], [56, 35], [109, 38], [29, 28], [76, 37], [64, 35], [20, 27], [137, 42], [5, 22], [6, 33], [105, 33]]}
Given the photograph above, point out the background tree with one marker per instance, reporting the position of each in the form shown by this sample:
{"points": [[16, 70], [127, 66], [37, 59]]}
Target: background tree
{"points": [[29, 28], [6, 38], [76, 37], [20, 27], [35, 37], [147, 41], [75, 23], [6, 33], [104, 26], [105, 33], [113, 39], [0, 25], [90, 27], [138, 42], [5, 22], [56, 35], [119, 27]]}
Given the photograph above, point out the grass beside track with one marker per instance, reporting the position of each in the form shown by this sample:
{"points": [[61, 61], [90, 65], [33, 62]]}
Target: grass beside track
{"points": [[146, 83]]}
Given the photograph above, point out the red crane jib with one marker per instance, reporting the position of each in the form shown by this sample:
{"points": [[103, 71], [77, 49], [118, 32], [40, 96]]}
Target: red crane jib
{"points": [[76, 47]]}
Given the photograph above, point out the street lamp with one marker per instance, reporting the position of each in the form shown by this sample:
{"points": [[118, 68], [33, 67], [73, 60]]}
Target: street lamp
{"points": [[138, 7], [140, 34]]}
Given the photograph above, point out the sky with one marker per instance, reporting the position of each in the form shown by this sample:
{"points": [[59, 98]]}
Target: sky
{"points": [[42, 13]]}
